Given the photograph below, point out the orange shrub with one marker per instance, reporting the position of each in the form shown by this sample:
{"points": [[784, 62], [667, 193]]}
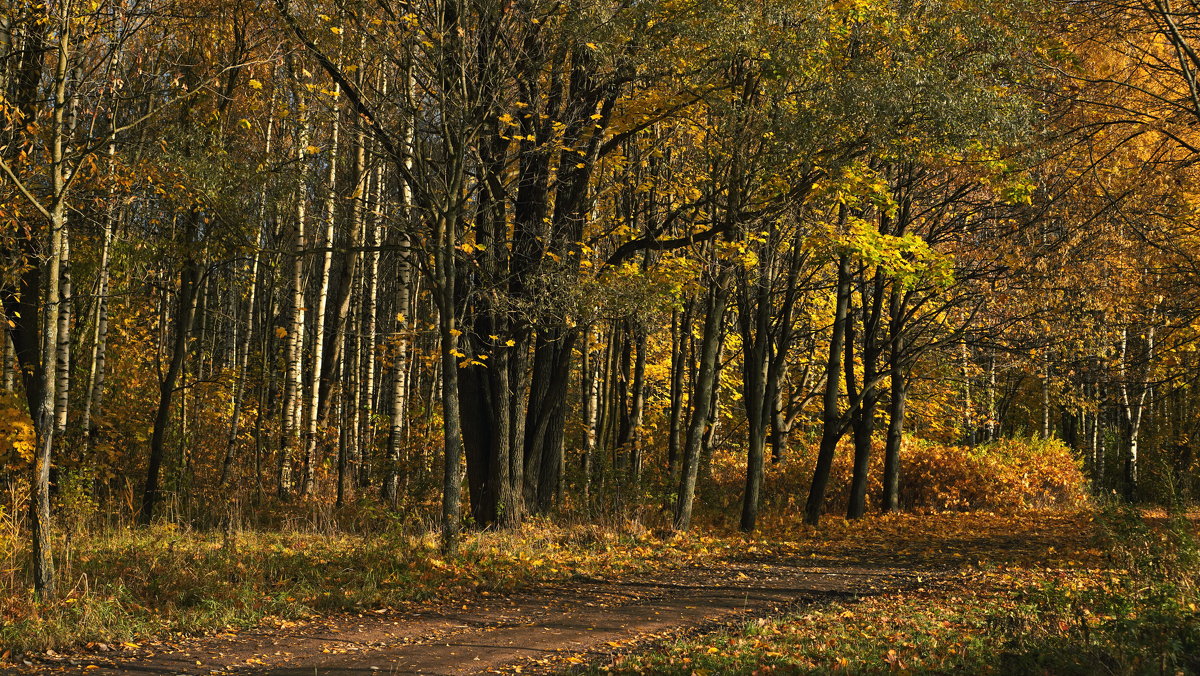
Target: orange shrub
{"points": [[1006, 475]]}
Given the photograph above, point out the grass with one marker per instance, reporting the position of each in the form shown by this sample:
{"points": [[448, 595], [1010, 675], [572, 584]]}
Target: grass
{"points": [[1127, 607], [131, 585]]}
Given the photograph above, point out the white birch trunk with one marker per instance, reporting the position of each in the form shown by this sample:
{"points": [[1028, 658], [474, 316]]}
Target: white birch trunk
{"points": [[318, 355]]}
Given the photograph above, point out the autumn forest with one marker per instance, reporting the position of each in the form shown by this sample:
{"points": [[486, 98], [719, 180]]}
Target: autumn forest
{"points": [[317, 307]]}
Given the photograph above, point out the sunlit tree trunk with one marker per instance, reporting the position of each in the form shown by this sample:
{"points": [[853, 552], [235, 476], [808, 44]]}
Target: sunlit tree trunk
{"points": [[991, 397], [1045, 382], [590, 401], [370, 397], [294, 387], [62, 387]]}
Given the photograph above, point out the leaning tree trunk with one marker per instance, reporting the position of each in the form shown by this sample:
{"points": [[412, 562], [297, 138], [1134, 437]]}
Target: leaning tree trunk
{"points": [[184, 314]]}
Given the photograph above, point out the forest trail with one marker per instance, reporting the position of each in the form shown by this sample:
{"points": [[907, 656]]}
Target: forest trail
{"points": [[542, 628], [550, 627]]}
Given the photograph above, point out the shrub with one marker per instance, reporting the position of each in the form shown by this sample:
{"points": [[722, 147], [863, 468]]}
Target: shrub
{"points": [[1006, 475]]}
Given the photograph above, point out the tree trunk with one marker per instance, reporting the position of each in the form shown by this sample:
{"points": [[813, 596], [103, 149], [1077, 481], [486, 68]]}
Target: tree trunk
{"points": [[754, 310], [241, 347], [991, 397], [293, 390], [39, 498], [62, 386], [184, 314], [863, 416], [590, 400], [681, 332], [832, 424], [370, 396], [99, 347], [445, 282], [1046, 395], [702, 390], [890, 502]]}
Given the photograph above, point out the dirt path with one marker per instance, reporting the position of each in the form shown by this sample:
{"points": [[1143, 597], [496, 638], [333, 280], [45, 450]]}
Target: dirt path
{"points": [[543, 628], [548, 627]]}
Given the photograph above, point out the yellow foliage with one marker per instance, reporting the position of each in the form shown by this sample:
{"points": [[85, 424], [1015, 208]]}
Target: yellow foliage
{"points": [[17, 438]]}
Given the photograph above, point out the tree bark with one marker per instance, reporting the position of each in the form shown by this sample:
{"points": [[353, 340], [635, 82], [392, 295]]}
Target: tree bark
{"points": [[832, 424], [701, 398], [293, 390], [895, 432]]}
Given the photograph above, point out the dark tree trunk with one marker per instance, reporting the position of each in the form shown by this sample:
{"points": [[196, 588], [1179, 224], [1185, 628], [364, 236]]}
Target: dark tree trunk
{"points": [[184, 314], [863, 416], [832, 423], [895, 433], [681, 333], [702, 391], [754, 313]]}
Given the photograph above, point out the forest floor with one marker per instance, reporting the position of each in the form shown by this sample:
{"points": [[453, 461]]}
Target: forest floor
{"points": [[647, 620]]}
